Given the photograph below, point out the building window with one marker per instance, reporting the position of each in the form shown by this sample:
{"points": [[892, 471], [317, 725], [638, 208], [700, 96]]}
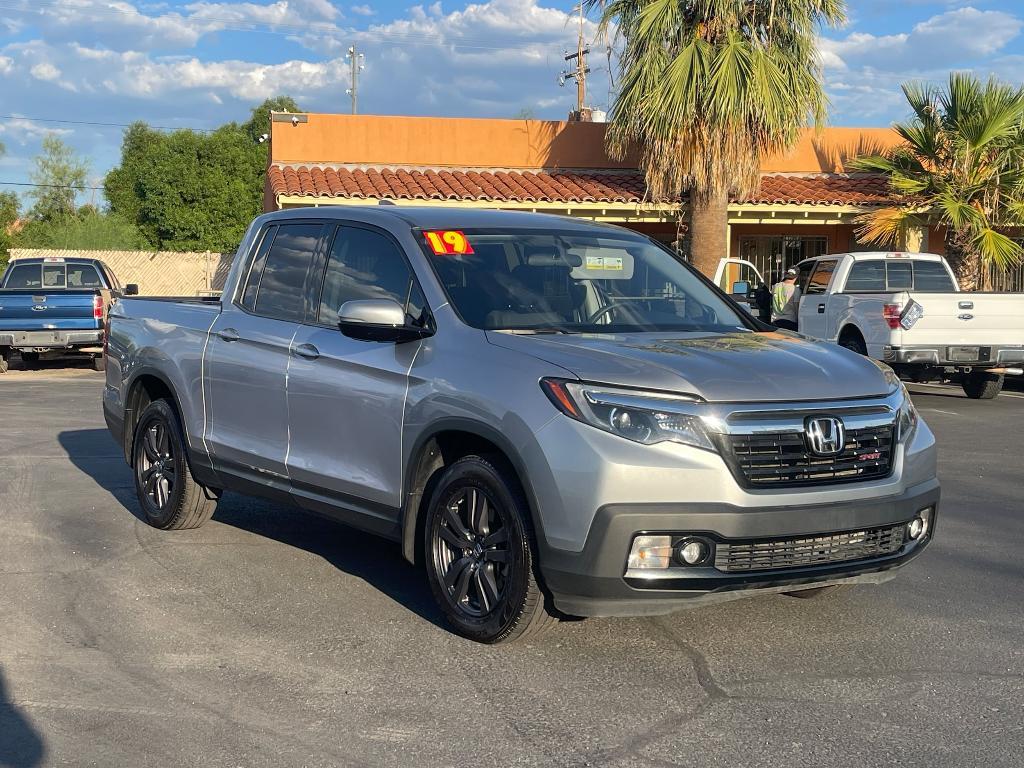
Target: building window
{"points": [[774, 254]]}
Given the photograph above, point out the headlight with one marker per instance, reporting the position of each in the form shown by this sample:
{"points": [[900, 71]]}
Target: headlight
{"points": [[643, 417], [907, 418]]}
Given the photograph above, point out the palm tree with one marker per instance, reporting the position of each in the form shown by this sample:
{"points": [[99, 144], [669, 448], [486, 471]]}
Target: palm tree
{"points": [[707, 88], [961, 165]]}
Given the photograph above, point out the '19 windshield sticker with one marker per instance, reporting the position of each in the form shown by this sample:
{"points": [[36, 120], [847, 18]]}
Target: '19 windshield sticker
{"points": [[448, 242]]}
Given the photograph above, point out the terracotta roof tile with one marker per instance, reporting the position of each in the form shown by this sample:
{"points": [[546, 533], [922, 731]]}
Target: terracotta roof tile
{"points": [[551, 186]]}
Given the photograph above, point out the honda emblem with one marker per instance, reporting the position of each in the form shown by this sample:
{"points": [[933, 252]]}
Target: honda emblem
{"points": [[826, 435]]}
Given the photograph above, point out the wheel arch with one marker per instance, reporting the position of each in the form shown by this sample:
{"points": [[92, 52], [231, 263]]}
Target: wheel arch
{"points": [[436, 448], [851, 328]]}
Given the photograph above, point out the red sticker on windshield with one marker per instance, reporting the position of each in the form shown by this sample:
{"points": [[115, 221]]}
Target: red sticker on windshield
{"points": [[448, 242]]}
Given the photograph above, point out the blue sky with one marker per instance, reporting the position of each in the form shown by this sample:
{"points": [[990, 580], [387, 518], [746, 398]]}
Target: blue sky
{"points": [[202, 63]]}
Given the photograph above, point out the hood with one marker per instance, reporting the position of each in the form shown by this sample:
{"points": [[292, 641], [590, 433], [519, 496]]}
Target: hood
{"points": [[732, 367]]}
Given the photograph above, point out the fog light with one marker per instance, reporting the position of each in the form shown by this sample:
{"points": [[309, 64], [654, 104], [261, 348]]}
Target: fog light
{"points": [[693, 551], [650, 552], [916, 528]]}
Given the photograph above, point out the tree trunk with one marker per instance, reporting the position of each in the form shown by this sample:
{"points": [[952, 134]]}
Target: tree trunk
{"points": [[709, 232], [966, 263]]}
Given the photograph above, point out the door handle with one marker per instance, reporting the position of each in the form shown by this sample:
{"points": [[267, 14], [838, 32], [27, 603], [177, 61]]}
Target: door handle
{"points": [[821, 309], [228, 334], [307, 351]]}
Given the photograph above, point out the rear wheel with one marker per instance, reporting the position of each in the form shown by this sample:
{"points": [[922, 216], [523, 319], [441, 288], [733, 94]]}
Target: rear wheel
{"points": [[481, 553], [982, 385], [853, 341], [169, 495], [30, 360]]}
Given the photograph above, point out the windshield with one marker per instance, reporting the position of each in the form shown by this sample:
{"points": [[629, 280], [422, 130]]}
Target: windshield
{"points": [[575, 282]]}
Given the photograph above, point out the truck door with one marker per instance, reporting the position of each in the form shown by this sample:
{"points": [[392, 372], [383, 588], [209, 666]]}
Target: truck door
{"points": [[813, 320], [247, 357], [346, 397]]}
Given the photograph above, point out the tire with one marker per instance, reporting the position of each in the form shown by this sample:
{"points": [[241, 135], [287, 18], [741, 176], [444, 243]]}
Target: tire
{"points": [[815, 592], [853, 341], [482, 568], [99, 363], [169, 496], [30, 360], [981, 385]]}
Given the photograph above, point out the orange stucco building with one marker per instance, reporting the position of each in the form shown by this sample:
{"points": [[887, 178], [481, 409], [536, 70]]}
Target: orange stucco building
{"points": [[806, 204]]}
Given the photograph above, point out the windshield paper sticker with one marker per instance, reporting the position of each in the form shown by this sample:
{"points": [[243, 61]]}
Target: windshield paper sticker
{"points": [[611, 263], [448, 242]]}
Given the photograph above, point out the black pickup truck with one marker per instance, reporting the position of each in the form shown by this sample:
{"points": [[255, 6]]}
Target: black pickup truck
{"points": [[54, 305]]}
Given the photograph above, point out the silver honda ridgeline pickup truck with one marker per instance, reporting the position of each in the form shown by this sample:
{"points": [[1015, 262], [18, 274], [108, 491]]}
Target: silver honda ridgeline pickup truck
{"points": [[553, 416]]}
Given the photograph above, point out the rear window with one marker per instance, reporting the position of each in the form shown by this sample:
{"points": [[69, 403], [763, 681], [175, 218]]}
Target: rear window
{"points": [[879, 275], [24, 276], [53, 276]]}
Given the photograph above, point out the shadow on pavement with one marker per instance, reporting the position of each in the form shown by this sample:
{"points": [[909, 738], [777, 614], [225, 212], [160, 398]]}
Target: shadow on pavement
{"points": [[376, 561], [21, 746]]}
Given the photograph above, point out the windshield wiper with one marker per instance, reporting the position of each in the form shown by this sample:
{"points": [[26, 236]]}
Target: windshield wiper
{"points": [[532, 331]]}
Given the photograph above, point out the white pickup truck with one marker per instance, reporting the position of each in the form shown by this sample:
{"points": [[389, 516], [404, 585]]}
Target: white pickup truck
{"points": [[906, 310]]}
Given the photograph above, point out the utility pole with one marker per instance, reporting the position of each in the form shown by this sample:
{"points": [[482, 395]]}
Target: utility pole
{"points": [[580, 71], [355, 66]]}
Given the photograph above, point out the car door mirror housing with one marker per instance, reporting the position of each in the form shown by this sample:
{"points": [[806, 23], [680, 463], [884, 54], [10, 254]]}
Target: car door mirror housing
{"points": [[131, 289], [377, 320], [741, 288]]}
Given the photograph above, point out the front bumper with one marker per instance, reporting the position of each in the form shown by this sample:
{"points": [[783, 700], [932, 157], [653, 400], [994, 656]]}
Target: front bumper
{"points": [[592, 582], [988, 356], [42, 340]]}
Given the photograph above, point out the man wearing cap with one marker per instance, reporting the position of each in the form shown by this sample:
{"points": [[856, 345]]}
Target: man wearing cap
{"points": [[786, 302]]}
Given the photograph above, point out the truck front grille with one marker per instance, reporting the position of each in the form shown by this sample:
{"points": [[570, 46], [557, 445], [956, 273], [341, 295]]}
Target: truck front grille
{"points": [[773, 554], [780, 460]]}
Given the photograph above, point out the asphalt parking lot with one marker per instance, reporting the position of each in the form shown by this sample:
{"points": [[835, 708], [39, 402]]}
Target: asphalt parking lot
{"points": [[271, 637]]}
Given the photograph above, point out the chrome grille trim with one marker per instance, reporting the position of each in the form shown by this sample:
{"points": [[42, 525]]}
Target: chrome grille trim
{"points": [[799, 552]]}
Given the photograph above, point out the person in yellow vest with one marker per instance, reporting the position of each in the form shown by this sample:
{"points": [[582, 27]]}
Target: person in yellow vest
{"points": [[786, 302]]}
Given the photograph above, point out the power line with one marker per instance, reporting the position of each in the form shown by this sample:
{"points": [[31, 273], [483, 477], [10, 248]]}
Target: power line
{"points": [[11, 118], [50, 186]]}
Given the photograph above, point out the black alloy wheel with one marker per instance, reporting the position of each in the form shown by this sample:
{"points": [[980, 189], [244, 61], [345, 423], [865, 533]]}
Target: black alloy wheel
{"points": [[480, 552], [470, 552], [169, 495], [155, 464]]}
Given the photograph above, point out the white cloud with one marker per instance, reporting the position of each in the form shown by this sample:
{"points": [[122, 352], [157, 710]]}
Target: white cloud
{"points": [[864, 71], [941, 41], [362, 10], [45, 71], [23, 130]]}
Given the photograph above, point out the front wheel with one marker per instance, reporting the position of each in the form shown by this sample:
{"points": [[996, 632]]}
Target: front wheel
{"points": [[168, 494], [982, 385], [481, 553]]}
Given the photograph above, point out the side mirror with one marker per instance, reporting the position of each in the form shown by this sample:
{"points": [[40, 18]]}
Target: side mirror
{"points": [[741, 288], [377, 320], [131, 289]]}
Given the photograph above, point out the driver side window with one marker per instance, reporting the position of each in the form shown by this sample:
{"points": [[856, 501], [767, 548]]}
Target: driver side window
{"points": [[364, 264]]}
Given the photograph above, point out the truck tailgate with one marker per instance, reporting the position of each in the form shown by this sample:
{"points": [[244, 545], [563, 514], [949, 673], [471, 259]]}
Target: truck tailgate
{"points": [[968, 319], [60, 310]]}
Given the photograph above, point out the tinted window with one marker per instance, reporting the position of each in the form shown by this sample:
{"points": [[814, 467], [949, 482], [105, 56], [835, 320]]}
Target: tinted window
{"points": [[867, 276], [83, 276], [53, 275], [900, 275], [366, 265], [282, 287], [803, 269], [24, 276], [932, 276], [820, 276], [252, 282]]}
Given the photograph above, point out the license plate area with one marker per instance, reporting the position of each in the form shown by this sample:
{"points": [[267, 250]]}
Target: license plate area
{"points": [[964, 354]]}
